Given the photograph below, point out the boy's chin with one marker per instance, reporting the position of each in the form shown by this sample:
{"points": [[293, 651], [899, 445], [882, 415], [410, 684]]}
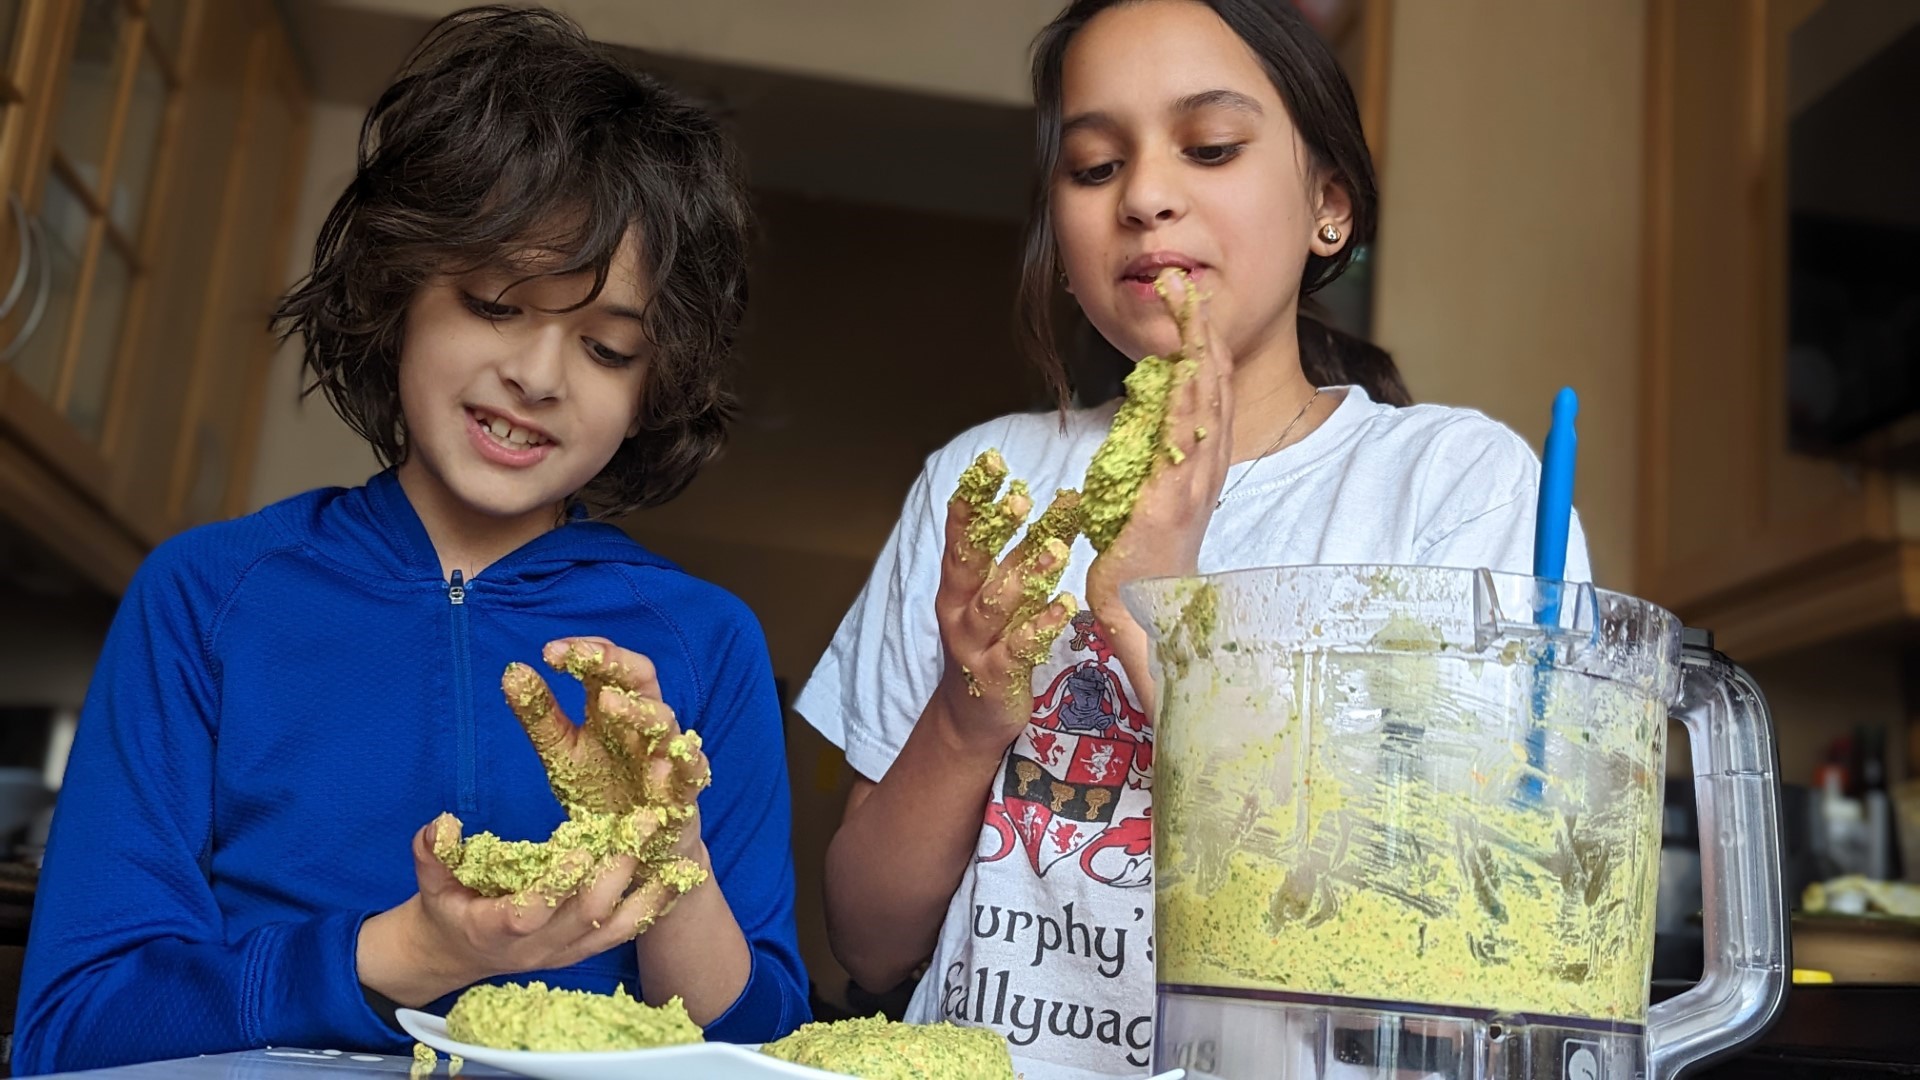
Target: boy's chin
{"points": [[505, 500]]}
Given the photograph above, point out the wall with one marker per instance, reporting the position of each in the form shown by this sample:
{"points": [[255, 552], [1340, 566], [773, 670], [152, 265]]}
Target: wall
{"points": [[1509, 265], [303, 445], [1828, 692], [825, 134], [970, 49], [1510, 236]]}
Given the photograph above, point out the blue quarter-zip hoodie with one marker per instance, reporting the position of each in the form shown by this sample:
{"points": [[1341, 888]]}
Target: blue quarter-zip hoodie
{"points": [[284, 700]]}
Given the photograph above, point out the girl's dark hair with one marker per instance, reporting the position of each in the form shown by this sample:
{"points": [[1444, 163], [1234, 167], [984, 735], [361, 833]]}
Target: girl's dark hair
{"points": [[509, 131], [1318, 97]]}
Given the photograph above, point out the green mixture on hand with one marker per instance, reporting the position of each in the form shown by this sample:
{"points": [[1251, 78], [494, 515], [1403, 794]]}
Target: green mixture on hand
{"points": [[1138, 440], [875, 1048], [993, 523], [536, 1017], [591, 835], [567, 861]]}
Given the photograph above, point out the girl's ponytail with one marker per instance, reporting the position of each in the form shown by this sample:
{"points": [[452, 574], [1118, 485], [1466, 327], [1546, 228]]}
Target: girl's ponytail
{"points": [[1330, 357]]}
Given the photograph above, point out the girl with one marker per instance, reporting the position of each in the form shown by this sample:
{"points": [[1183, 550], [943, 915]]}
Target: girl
{"points": [[525, 301], [999, 835]]}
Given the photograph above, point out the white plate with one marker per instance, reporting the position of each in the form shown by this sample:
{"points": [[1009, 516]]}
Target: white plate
{"points": [[694, 1061]]}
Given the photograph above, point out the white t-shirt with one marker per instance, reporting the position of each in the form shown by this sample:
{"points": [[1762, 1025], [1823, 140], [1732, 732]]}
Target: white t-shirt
{"points": [[1049, 939]]}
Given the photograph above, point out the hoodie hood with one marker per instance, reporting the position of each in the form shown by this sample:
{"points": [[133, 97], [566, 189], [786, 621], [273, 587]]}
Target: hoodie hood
{"points": [[376, 532]]}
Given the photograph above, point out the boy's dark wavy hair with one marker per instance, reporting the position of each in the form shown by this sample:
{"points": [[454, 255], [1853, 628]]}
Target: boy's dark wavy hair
{"points": [[1308, 78], [506, 131]]}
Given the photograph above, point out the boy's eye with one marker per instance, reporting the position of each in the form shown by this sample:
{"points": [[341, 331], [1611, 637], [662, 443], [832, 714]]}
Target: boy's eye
{"points": [[1215, 154], [605, 355], [487, 309], [1098, 174]]}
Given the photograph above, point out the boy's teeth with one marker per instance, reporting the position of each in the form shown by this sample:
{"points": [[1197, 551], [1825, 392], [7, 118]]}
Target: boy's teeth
{"points": [[507, 433]]}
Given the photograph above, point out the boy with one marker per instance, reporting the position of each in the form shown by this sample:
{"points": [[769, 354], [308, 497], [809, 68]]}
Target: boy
{"points": [[525, 301]]}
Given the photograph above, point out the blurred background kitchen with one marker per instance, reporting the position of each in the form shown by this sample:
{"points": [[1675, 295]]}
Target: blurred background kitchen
{"points": [[1702, 214]]}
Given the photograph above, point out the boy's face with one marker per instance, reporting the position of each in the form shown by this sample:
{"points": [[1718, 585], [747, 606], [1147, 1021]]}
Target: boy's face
{"points": [[510, 407]]}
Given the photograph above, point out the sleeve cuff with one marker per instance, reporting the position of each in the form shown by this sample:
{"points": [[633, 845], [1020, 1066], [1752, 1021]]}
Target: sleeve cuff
{"points": [[870, 761], [764, 1010], [384, 1007], [306, 989]]}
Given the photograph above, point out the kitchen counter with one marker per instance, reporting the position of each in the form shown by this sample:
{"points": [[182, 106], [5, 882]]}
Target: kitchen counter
{"points": [[1838, 1032], [282, 1064], [1825, 1033]]}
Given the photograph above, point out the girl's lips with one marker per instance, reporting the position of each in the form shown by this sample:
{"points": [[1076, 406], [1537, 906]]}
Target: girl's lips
{"points": [[500, 452], [1150, 264], [1141, 288]]}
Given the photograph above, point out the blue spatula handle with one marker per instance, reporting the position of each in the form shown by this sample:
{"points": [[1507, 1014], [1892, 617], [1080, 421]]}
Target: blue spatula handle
{"points": [[1555, 515], [1553, 520]]}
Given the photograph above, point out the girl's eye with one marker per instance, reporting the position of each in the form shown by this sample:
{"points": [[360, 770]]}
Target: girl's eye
{"points": [[1098, 174], [487, 309], [605, 355], [1215, 155]]}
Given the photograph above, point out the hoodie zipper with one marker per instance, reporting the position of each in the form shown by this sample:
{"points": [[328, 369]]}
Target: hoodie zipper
{"points": [[462, 690]]}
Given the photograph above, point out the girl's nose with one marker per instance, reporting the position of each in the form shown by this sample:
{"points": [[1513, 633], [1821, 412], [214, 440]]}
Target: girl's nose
{"points": [[1150, 194]]}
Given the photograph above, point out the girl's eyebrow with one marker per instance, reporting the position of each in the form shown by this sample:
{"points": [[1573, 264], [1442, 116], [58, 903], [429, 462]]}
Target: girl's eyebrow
{"points": [[1191, 103], [1219, 99], [1088, 121]]}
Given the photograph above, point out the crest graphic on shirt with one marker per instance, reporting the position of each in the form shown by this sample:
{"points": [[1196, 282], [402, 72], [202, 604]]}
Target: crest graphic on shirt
{"points": [[1075, 785]]}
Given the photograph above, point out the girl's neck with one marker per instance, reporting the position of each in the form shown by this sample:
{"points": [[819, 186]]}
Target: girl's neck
{"points": [[1269, 392], [464, 539]]}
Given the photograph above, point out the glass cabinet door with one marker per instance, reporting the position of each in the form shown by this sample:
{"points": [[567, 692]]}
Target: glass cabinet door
{"points": [[89, 235]]}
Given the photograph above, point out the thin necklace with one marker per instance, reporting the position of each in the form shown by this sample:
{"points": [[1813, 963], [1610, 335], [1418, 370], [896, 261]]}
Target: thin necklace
{"points": [[1284, 432]]}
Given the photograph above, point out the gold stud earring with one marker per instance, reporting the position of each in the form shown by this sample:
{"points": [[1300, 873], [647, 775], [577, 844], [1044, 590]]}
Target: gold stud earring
{"points": [[1330, 233]]}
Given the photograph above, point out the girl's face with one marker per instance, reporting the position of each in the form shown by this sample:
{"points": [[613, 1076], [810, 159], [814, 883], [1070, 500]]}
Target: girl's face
{"points": [[1176, 150], [511, 408]]}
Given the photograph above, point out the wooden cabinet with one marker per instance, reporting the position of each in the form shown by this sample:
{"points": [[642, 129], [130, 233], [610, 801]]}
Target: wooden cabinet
{"points": [[149, 149], [1770, 548], [207, 384]]}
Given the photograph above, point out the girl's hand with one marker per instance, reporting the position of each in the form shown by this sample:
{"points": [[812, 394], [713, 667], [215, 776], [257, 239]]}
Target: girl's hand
{"points": [[1162, 537], [997, 620]]}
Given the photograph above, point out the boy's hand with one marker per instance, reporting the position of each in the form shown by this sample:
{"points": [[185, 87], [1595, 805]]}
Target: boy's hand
{"points": [[998, 619], [478, 937], [448, 937], [629, 753], [629, 758]]}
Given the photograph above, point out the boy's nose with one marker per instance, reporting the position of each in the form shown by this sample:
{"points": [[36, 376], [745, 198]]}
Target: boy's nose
{"points": [[537, 370]]}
